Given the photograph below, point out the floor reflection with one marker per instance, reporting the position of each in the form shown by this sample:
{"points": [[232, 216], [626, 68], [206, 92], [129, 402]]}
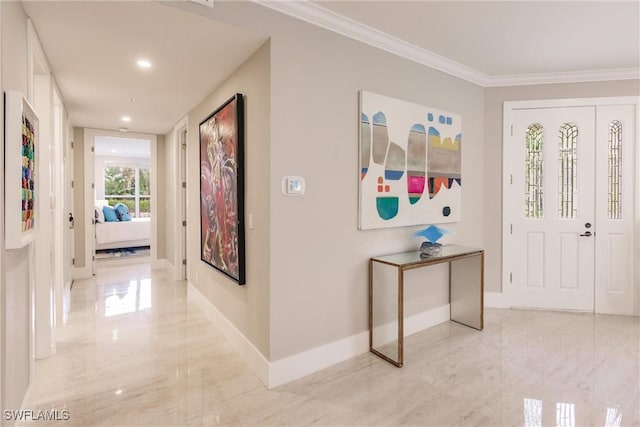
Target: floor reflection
{"points": [[565, 414], [124, 299], [137, 351], [532, 413], [614, 417]]}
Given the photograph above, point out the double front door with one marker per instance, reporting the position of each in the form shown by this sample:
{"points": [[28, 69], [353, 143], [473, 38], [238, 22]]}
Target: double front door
{"points": [[571, 202]]}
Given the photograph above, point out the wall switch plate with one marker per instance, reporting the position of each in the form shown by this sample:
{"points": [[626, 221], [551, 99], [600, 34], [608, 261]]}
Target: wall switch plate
{"points": [[293, 186]]}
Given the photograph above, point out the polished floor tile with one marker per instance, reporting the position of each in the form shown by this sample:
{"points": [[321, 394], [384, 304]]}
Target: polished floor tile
{"points": [[135, 352]]}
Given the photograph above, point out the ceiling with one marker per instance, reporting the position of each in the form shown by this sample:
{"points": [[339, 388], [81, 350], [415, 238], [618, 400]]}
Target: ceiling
{"points": [[511, 37], [92, 46]]}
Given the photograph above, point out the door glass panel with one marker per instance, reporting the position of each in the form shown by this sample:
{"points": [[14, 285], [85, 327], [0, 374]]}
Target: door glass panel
{"points": [[534, 171], [615, 170], [567, 176]]}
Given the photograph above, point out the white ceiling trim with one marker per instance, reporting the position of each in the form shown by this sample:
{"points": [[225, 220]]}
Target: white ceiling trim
{"points": [[332, 21], [567, 77]]}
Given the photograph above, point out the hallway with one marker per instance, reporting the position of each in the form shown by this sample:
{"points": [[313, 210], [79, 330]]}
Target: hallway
{"points": [[135, 352]]}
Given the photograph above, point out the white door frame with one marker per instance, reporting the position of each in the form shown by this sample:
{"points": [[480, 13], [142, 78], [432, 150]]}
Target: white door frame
{"points": [[89, 191], [40, 89], [180, 231], [509, 193], [59, 226], [68, 203]]}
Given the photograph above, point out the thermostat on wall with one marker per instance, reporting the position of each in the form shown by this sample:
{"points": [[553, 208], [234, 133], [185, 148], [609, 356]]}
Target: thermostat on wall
{"points": [[293, 186]]}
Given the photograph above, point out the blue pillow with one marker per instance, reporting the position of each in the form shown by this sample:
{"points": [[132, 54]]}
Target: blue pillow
{"points": [[122, 212], [109, 214]]}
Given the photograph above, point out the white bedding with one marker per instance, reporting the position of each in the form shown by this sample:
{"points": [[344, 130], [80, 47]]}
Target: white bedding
{"points": [[136, 230]]}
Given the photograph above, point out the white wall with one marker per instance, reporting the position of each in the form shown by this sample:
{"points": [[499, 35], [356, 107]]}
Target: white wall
{"points": [[14, 281], [493, 107], [81, 263], [171, 202], [2, 278], [247, 307], [318, 258], [160, 201]]}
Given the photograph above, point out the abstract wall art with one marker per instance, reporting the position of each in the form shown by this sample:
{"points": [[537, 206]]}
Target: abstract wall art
{"points": [[222, 189], [22, 133], [410, 163]]}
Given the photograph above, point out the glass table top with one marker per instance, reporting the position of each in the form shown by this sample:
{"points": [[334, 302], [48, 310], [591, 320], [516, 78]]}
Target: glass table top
{"points": [[415, 257]]}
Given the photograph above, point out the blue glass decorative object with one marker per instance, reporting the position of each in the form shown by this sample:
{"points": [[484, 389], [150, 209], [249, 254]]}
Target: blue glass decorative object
{"points": [[432, 233]]}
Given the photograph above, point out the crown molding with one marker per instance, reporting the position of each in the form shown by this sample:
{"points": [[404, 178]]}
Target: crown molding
{"points": [[565, 77], [332, 21]]}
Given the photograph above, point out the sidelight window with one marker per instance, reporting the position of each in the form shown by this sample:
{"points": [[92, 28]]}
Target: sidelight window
{"points": [[615, 170], [534, 171]]}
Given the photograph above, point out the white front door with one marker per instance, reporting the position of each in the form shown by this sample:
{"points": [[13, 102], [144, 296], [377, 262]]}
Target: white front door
{"points": [[616, 194], [570, 203], [554, 246]]}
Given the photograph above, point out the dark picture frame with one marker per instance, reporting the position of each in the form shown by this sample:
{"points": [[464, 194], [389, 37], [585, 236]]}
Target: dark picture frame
{"points": [[222, 237]]}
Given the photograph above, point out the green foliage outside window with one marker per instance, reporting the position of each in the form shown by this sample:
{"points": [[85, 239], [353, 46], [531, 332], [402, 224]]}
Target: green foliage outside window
{"points": [[144, 182], [119, 181], [120, 187]]}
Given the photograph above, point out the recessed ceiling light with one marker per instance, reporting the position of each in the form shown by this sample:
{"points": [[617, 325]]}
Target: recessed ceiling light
{"points": [[126, 119], [143, 63], [114, 151]]}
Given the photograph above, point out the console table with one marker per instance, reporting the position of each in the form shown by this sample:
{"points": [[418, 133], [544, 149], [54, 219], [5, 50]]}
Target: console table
{"points": [[466, 295]]}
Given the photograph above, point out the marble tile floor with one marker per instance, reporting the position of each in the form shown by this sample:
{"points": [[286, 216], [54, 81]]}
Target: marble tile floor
{"points": [[135, 352]]}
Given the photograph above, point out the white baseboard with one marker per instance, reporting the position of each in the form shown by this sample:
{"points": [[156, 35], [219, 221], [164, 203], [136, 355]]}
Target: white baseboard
{"points": [[421, 321], [81, 273], [170, 269], [26, 398], [249, 353], [496, 300], [307, 362], [66, 301], [416, 323], [290, 368]]}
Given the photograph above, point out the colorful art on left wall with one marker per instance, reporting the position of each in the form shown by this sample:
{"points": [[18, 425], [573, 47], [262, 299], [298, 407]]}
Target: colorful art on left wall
{"points": [[410, 163], [28, 175], [21, 128]]}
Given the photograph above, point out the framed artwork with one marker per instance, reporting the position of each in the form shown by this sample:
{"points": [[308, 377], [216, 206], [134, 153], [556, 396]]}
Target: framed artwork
{"points": [[410, 163], [21, 151], [222, 189]]}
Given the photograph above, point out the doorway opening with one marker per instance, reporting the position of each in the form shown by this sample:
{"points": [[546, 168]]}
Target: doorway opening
{"points": [[121, 189], [122, 198]]}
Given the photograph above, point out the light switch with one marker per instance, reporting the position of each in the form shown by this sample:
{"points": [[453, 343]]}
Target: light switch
{"points": [[293, 186]]}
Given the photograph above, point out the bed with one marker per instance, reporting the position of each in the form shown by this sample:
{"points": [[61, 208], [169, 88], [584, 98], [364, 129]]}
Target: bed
{"points": [[121, 234]]}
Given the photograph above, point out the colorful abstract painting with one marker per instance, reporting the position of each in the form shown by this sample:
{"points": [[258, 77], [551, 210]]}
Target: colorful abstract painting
{"points": [[222, 189], [410, 163], [21, 178], [28, 174]]}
